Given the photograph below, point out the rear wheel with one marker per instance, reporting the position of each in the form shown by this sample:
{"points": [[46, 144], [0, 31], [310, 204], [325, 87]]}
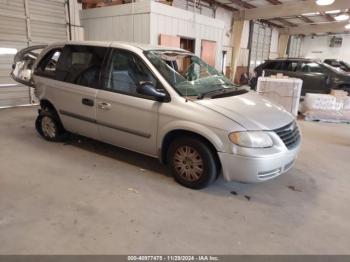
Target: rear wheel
{"points": [[49, 126], [192, 163]]}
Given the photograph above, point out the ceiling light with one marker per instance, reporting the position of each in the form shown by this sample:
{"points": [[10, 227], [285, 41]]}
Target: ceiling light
{"points": [[324, 2], [347, 26], [342, 17], [333, 12], [310, 14]]}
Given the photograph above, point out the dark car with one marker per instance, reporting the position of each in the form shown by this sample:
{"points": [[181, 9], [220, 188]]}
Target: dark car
{"points": [[338, 64], [317, 77]]}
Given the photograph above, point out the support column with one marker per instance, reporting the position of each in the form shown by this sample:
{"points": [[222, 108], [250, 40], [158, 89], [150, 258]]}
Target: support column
{"points": [[237, 32], [282, 44]]}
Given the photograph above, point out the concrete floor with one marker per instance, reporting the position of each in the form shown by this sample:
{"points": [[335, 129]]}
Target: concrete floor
{"points": [[85, 197]]}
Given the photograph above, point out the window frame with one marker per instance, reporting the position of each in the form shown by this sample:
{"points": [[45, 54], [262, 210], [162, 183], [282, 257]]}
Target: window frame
{"points": [[287, 63], [99, 82], [277, 62], [324, 69], [104, 76], [50, 75]]}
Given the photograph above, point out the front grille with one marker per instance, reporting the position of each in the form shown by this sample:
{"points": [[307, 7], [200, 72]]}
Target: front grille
{"points": [[289, 134]]}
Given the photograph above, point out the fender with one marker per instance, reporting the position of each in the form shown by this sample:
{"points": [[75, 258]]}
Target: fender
{"points": [[212, 137]]}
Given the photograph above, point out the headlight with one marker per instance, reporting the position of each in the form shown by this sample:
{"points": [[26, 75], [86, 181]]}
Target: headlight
{"points": [[254, 139]]}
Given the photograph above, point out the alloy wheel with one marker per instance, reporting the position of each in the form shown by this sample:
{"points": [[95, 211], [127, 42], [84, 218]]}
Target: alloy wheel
{"points": [[188, 163], [48, 127]]}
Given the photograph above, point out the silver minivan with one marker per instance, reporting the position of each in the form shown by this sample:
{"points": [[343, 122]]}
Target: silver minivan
{"points": [[162, 102]]}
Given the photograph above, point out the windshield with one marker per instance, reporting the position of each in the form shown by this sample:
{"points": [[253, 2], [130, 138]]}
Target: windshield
{"points": [[345, 66], [188, 74], [336, 65], [332, 68]]}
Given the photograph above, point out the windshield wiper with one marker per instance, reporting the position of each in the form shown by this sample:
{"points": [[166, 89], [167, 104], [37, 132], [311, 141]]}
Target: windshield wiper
{"points": [[220, 91]]}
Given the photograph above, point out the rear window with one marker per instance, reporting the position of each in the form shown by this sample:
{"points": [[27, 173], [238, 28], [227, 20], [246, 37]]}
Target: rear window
{"points": [[81, 65], [80, 58]]}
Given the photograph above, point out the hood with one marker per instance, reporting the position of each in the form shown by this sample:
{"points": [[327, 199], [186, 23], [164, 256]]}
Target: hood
{"points": [[250, 110]]}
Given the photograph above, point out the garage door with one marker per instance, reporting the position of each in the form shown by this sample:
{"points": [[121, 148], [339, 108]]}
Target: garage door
{"points": [[24, 23], [294, 46], [259, 45]]}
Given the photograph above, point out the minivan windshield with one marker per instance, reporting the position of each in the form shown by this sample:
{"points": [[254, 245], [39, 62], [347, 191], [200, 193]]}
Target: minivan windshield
{"points": [[189, 75]]}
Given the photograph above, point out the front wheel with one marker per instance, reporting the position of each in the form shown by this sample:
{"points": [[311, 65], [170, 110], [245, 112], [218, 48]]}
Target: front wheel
{"points": [[192, 163]]}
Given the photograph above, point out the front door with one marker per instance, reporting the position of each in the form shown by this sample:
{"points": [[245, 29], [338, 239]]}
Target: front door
{"points": [[126, 118], [314, 78]]}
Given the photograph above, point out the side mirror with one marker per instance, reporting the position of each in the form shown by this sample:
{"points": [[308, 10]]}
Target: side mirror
{"points": [[148, 89]]}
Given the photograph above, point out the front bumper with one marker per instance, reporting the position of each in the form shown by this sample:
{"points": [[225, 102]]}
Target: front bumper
{"points": [[256, 169]]}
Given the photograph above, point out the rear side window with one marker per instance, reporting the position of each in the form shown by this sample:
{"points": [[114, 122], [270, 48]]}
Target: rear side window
{"points": [[81, 65], [290, 66], [48, 64], [274, 65]]}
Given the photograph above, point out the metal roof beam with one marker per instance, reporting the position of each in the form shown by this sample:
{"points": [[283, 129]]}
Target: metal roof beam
{"points": [[336, 27], [288, 9]]}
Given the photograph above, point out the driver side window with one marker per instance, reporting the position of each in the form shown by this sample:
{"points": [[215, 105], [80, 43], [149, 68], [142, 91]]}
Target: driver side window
{"points": [[126, 72], [311, 67]]}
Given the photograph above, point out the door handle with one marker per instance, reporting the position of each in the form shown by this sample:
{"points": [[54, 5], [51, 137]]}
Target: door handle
{"points": [[87, 102], [104, 106]]}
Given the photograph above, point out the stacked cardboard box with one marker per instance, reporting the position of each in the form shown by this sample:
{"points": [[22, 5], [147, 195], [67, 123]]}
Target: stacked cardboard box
{"points": [[281, 90]]}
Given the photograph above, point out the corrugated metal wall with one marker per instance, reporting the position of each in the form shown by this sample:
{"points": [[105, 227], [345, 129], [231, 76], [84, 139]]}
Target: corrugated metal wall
{"points": [[24, 23], [201, 7]]}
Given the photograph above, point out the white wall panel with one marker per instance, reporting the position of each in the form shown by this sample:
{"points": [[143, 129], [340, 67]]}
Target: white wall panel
{"points": [[46, 23], [45, 32], [12, 8], [174, 21], [117, 23], [318, 47], [13, 29], [145, 21], [47, 20]]}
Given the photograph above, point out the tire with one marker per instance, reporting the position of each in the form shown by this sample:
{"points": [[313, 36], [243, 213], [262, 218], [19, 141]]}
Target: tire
{"points": [[49, 126], [192, 163], [345, 88]]}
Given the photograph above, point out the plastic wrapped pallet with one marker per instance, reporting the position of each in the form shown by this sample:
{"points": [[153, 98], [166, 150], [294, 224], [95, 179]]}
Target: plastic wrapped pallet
{"points": [[346, 104], [330, 108], [282, 91], [319, 102]]}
